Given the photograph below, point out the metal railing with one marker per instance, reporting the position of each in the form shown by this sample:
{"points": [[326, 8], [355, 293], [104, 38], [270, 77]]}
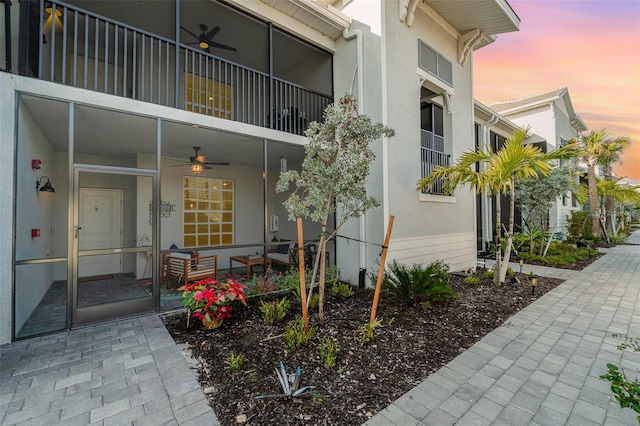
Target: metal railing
{"points": [[82, 49], [431, 156]]}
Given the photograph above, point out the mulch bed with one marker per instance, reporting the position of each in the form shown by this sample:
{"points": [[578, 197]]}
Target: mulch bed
{"points": [[412, 343]]}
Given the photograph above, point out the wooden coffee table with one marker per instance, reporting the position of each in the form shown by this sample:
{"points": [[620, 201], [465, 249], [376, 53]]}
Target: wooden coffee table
{"points": [[247, 262]]}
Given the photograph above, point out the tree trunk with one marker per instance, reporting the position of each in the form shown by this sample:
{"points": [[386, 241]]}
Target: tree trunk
{"points": [[609, 206], [507, 250], [496, 275], [323, 264], [594, 207]]}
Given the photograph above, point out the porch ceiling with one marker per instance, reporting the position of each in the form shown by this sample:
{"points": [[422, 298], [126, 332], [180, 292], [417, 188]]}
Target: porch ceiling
{"points": [[490, 16], [111, 131]]}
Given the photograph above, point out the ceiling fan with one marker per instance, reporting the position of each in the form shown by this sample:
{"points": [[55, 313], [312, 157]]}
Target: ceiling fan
{"points": [[205, 39], [197, 163]]}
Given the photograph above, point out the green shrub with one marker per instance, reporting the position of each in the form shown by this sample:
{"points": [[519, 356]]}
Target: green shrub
{"points": [[368, 329], [578, 226], [472, 280], [291, 282], [295, 336], [235, 363], [328, 352], [315, 300], [487, 274], [626, 391], [331, 275], [510, 272], [342, 290], [273, 312], [417, 284]]}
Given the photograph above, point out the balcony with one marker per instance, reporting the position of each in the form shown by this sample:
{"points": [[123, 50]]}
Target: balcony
{"points": [[261, 76], [431, 156]]}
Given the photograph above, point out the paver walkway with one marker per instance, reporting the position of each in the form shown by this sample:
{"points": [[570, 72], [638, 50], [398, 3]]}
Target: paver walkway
{"points": [[540, 368], [124, 372]]}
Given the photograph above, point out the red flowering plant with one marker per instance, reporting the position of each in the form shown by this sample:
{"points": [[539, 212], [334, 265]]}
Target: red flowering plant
{"points": [[210, 300]]}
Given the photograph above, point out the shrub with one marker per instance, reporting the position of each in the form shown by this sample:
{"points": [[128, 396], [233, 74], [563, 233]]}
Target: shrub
{"points": [[417, 284], [291, 282], [295, 336], [368, 329], [510, 272], [328, 352], [487, 274], [265, 284], [315, 300], [331, 275], [235, 363], [273, 312], [578, 226], [627, 391], [472, 280], [342, 290]]}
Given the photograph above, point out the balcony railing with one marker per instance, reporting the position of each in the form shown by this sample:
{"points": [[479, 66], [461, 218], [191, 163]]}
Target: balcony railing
{"points": [[82, 49], [431, 156]]}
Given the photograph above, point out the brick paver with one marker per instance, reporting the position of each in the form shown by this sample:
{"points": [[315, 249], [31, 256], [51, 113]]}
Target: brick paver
{"points": [[124, 372]]}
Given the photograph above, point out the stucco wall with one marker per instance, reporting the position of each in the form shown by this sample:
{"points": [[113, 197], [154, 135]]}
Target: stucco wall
{"points": [[7, 132]]}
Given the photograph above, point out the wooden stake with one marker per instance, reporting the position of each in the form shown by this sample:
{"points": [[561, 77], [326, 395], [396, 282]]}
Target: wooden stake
{"points": [[303, 286], [383, 259]]}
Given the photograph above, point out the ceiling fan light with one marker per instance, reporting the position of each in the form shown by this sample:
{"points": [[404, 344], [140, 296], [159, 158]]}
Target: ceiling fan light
{"points": [[196, 168], [204, 45]]}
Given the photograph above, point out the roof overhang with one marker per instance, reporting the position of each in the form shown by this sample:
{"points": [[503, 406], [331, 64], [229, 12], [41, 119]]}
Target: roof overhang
{"points": [[489, 16], [322, 17]]}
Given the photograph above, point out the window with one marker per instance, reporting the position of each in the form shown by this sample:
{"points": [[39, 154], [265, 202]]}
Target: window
{"points": [[208, 97], [208, 211], [432, 153]]}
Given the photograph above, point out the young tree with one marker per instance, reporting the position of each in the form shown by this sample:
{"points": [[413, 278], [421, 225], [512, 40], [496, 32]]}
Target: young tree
{"points": [[595, 148], [334, 173], [625, 196], [498, 173], [535, 196]]}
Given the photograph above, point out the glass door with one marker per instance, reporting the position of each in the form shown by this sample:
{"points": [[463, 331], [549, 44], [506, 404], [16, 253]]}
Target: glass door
{"points": [[113, 270]]}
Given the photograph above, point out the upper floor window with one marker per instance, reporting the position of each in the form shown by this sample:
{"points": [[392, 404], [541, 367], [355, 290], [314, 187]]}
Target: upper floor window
{"points": [[432, 142]]}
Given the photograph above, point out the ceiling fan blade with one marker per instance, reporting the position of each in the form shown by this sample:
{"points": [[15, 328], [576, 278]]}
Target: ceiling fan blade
{"points": [[217, 163], [211, 34], [222, 46], [204, 166], [189, 32]]}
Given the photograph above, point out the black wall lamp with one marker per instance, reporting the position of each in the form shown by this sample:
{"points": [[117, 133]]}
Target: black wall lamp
{"points": [[46, 187]]}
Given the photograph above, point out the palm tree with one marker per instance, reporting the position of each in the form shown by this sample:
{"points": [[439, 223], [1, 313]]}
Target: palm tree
{"points": [[597, 148], [622, 194], [498, 174], [610, 155]]}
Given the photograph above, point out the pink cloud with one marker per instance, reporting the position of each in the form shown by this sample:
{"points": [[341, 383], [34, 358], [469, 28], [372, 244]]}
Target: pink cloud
{"points": [[593, 48]]}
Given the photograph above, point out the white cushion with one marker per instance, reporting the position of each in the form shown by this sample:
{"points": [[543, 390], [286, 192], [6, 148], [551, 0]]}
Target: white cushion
{"points": [[181, 255]]}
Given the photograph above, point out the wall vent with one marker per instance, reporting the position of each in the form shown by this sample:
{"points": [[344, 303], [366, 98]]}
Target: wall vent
{"points": [[434, 63]]}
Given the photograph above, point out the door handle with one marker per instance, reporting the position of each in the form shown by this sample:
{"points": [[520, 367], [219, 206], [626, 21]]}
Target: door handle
{"points": [[77, 230]]}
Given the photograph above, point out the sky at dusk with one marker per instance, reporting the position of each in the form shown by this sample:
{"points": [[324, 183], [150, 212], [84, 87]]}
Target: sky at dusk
{"points": [[590, 47]]}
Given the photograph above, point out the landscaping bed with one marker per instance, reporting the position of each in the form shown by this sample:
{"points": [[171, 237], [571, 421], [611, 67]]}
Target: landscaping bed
{"points": [[410, 344]]}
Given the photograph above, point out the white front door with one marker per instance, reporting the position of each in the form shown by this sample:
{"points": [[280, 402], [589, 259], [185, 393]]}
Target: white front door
{"points": [[100, 227]]}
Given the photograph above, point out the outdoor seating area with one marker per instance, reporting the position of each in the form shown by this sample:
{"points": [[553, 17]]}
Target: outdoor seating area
{"points": [[185, 267]]}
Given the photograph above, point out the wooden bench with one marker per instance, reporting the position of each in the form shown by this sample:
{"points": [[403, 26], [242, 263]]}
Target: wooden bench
{"points": [[185, 268]]}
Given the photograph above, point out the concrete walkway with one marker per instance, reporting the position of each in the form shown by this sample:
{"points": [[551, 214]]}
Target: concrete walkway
{"points": [[540, 368]]}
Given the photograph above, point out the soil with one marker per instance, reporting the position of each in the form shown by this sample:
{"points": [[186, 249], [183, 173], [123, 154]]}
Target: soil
{"points": [[410, 344]]}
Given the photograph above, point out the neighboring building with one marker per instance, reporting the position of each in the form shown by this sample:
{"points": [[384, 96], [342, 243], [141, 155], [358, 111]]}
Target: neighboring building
{"points": [[491, 132], [551, 116], [112, 98]]}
